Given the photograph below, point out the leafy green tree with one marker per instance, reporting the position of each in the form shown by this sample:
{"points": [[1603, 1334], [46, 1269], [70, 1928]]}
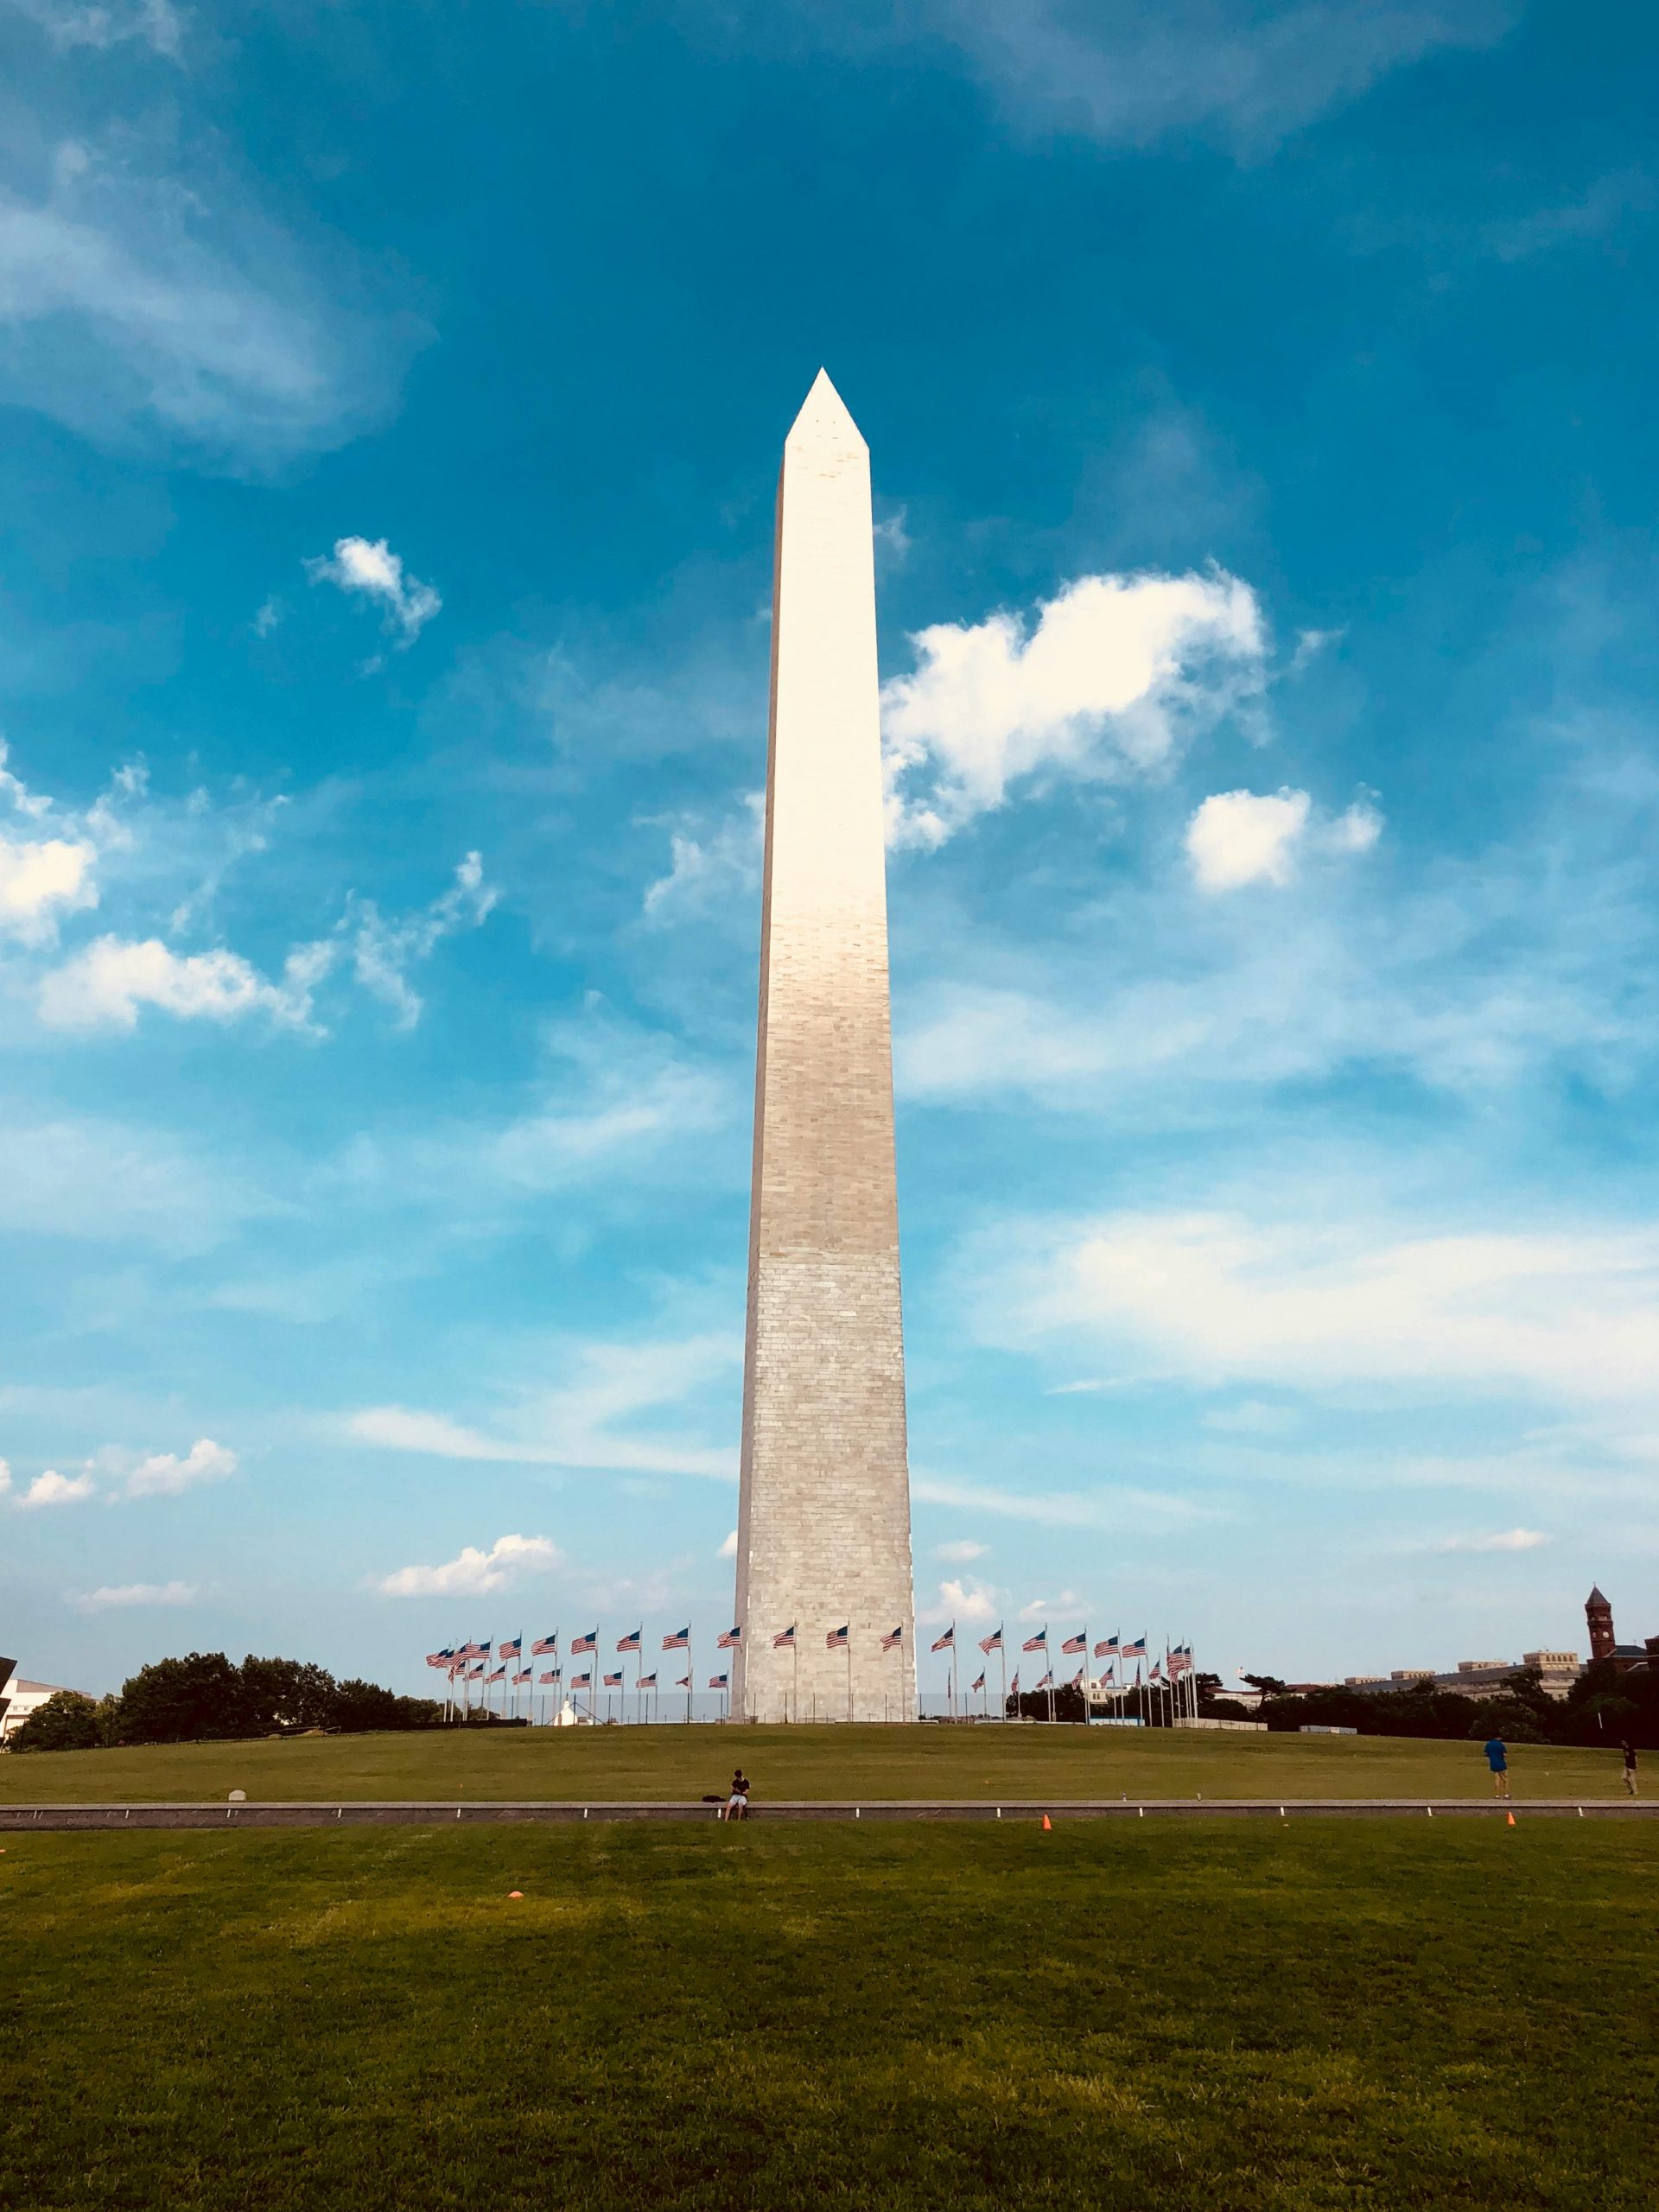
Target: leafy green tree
{"points": [[67, 1722], [359, 1705], [286, 1693], [193, 1700]]}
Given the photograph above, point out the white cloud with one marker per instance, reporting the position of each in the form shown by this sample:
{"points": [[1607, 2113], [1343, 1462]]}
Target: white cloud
{"points": [[1112, 678], [374, 570], [107, 982], [40, 880], [382, 951], [53, 1489], [586, 1423], [1240, 837], [164, 1474], [1237, 838], [472, 1572], [1571, 1314], [959, 1552], [5, 1477], [728, 1546], [111, 1596], [1511, 1539], [964, 1601]]}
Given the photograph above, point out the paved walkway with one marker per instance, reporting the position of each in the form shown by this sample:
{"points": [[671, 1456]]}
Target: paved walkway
{"points": [[392, 1813]]}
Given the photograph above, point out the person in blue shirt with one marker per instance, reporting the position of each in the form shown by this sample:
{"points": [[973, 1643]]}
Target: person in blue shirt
{"points": [[1499, 1759]]}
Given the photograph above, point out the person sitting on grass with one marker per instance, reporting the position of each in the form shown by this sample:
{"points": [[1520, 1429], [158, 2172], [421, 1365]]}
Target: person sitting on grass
{"points": [[736, 1807], [1499, 1759]]}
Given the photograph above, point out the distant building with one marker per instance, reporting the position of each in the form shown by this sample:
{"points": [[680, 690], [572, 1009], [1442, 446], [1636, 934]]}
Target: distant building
{"points": [[1557, 1672], [1627, 1658], [18, 1699]]}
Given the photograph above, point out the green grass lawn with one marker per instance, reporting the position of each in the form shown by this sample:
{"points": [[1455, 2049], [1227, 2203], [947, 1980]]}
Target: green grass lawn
{"points": [[989, 1763], [1321, 2015]]}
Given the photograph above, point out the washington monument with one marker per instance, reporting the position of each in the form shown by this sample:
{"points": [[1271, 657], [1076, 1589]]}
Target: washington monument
{"points": [[823, 1513]]}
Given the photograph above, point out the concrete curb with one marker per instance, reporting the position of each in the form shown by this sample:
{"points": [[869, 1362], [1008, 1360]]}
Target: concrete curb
{"points": [[435, 1813]]}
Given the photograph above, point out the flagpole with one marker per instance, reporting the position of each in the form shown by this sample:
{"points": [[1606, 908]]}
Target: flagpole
{"points": [[849, 1671], [794, 1651]]}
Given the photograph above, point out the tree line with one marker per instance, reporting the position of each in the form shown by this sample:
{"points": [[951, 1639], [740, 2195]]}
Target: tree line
{"points": [[1603, 1706], [204, 1697]]}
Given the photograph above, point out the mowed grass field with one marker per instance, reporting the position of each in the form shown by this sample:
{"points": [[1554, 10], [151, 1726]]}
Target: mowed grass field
{"points": [[1010, 1763], [1322, 2014]]}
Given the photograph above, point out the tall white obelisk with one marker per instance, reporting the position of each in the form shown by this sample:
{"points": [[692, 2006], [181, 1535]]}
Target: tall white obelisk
{"points": [[823, 1515]]}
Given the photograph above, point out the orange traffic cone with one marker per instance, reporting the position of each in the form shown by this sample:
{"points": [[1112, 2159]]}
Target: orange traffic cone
{"points": [[1047, 1823], [1510, 1817]]}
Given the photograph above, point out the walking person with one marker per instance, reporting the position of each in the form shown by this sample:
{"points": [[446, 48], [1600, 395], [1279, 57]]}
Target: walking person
{"points": [[1499, 1759], [1629, 1750]]}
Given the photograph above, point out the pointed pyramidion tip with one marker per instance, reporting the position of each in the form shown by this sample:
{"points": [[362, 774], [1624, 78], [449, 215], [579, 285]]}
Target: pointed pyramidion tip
{"points": [[824, 418]]}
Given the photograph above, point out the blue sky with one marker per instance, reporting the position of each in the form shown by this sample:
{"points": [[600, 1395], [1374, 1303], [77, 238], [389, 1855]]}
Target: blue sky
{"points": [[1260, 398]]}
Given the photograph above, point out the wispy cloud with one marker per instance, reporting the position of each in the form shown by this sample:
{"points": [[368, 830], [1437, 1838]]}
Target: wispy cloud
{"points": [[67, 24], [591, 1423], [118, 1596], [1570, 1315], [1509, 1539], [147, 293]]}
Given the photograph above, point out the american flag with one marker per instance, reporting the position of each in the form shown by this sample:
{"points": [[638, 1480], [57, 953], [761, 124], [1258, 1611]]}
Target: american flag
{"points": [[513, 1648], [1014, 1687], [1109, 1675], [588, 1643], [947, 1642], [582, 1681], [1107, 1651], [613, 1681], [730, 1641], [1181, 1659], [551, 1676], [439, 1658], [1037, 1643], [978, 1685], [1076, 1643], [719, 1681], [630, 1643], [475, 1673], [1047, 1683], [785, 1641], [525, 1675], [681, 1641], [1137, 1650], [891, 1643], [992, 1642], [544, 1644], [1076, 1682], [684, 1682], [837, 1638], [1157, 1672], [499, 1675], [646, 1681]]}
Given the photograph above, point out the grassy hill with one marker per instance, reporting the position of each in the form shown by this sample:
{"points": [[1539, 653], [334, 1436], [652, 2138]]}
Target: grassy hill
{"points": [[1329, 2017], [1001, 1763]]}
